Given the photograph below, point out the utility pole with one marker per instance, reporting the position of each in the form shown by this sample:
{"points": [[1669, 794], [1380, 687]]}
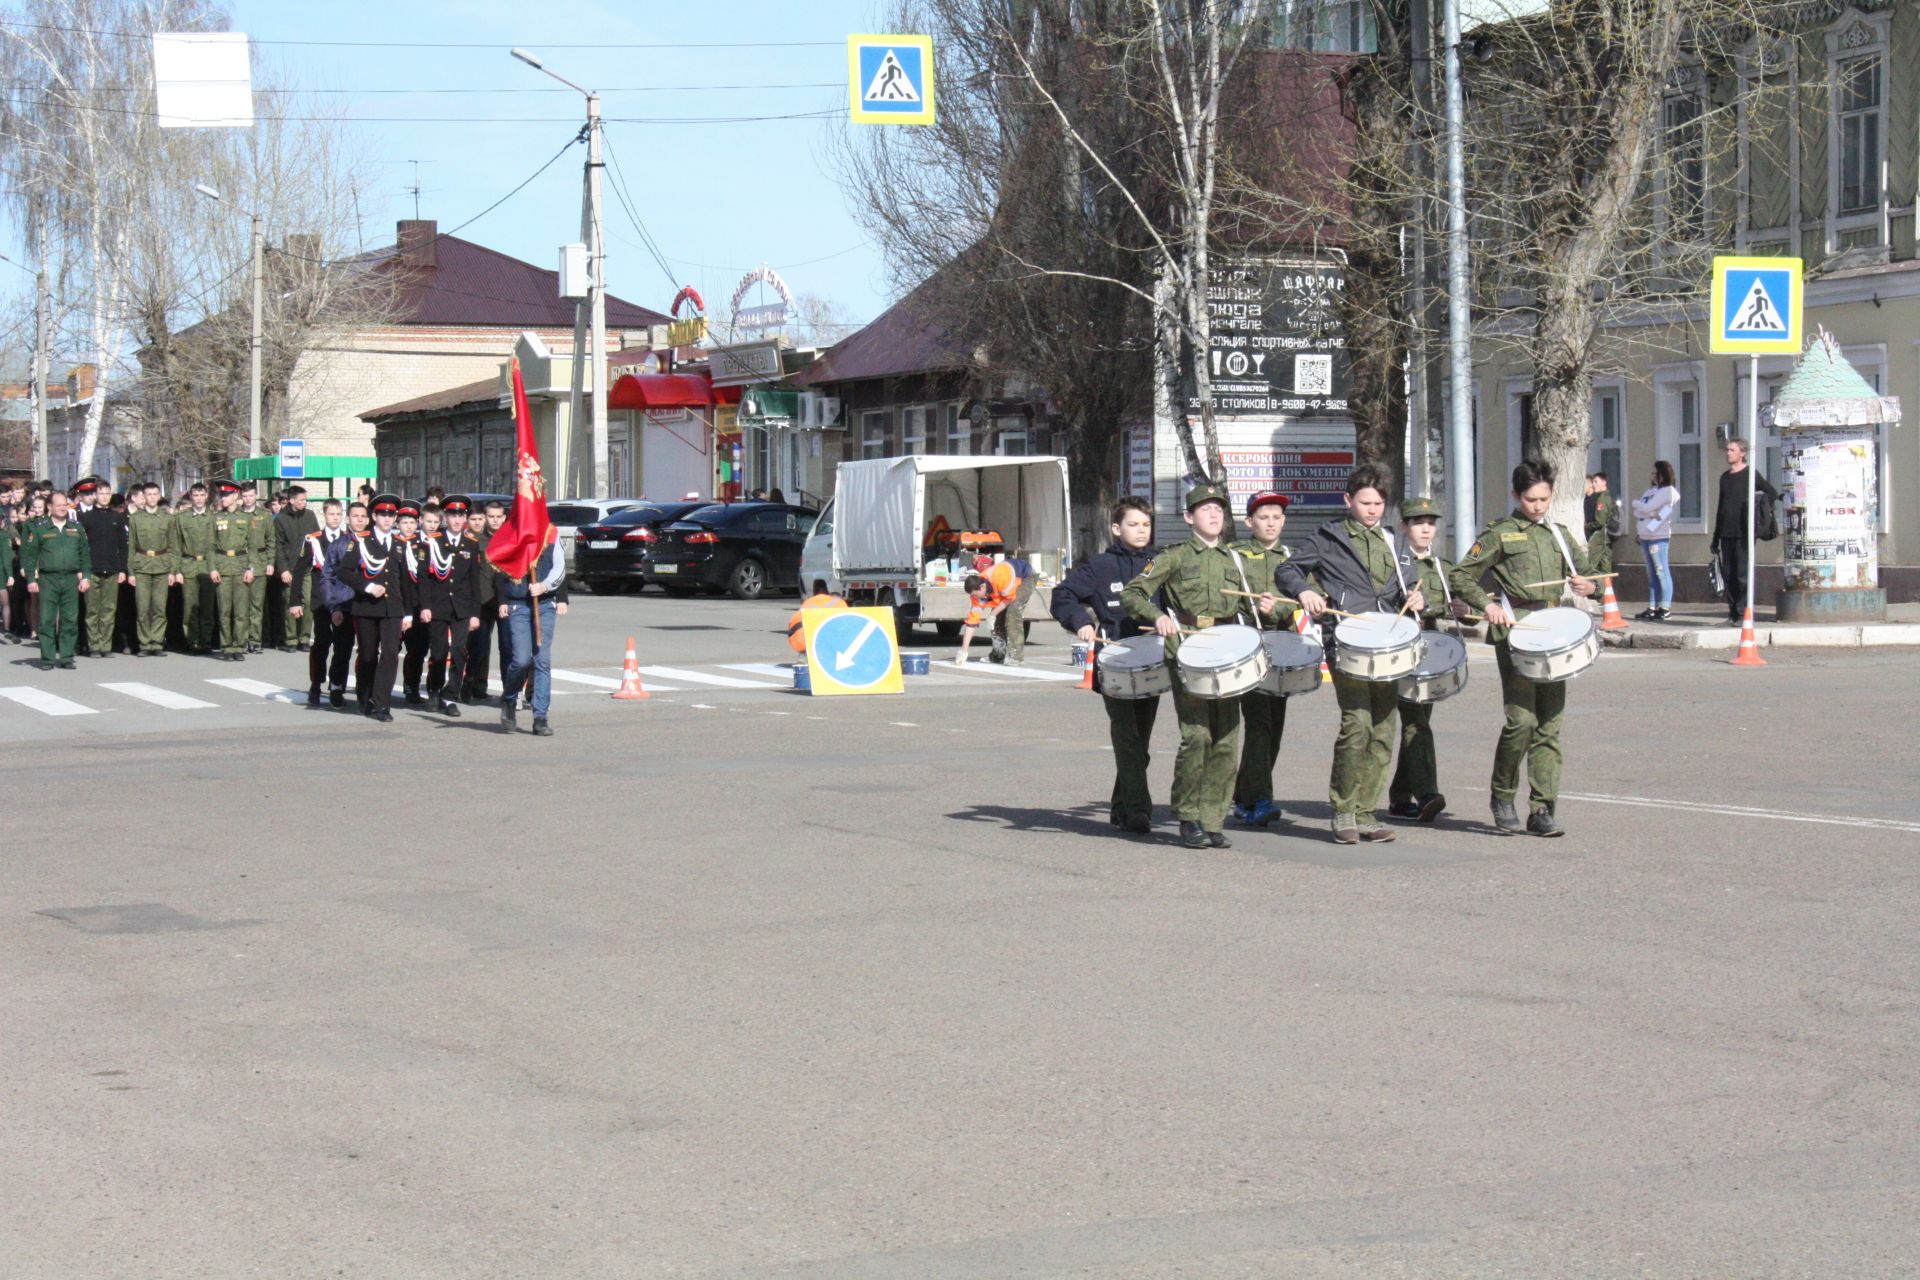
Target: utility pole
{"points": [[1460, 459], [597, 296], [253, 406], [42, 338]]}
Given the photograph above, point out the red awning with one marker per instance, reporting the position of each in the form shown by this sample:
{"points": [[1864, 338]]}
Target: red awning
{"points": [[668, 391]]}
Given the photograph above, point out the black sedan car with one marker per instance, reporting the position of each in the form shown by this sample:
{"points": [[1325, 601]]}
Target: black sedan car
{"points": [[748, 548], [608, 554]]}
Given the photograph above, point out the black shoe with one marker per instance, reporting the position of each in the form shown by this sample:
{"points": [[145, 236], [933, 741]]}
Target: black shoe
{"points": [[1540, 823], [450, 708], [254, 648], [415, 699], [1663, 613], [338, 697], [508, 715], [313, 696], [1218, 840], [289, 648], [1647, 615], [67, 665], [541, 729], [1505, 818], [1407, 809], [1431, 807], [1139, 823], [1192, 836], [384, 716]]}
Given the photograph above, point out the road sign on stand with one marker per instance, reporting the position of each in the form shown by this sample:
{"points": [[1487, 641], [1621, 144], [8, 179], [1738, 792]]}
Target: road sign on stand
{"points": [[1756, 307], [293, 459], [851, 651], [890, 79]]}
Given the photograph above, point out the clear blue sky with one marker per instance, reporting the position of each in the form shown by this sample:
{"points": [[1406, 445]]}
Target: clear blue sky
{"points": [[718, 198]]}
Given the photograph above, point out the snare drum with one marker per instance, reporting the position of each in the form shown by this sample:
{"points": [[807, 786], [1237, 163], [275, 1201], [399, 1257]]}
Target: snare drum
{"points": [[1134, 669], [1377, 646], [1293, 664], [1442, 671], [1222, 662], [1553, 645]]}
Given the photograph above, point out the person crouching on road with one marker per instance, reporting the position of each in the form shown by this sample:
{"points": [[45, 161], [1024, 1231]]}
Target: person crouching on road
{"points": [[991, 593], [529, 652], [1355, 568], [1193, 579], [797, 624], [1087, 603], [1521, 551]]}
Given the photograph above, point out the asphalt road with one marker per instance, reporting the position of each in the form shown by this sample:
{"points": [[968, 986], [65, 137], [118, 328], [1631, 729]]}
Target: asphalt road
{"points": [[736, 983]]}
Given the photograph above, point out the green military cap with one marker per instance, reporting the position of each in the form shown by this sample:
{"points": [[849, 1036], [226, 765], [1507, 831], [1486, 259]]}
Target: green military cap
{"points": [[1419, 508], [1203, 493]]}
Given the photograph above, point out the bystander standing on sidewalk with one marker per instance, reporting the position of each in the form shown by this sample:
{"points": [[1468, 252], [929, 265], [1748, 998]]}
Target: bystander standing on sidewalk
{"points": [[1730, 525], [1653, 513]]}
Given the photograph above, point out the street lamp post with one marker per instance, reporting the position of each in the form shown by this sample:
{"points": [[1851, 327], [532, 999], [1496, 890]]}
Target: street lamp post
{"points": [[253, 354], [594, 311]]}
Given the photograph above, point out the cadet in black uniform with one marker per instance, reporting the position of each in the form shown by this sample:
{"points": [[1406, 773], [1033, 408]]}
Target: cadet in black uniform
{"points": [[383, 604]]}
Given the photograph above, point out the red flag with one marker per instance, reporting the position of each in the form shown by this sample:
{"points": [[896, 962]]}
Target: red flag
{"points": [[515, 549]]}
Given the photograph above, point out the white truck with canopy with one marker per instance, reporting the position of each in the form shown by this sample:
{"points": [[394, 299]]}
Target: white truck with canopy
{"points": [[904, 531]]}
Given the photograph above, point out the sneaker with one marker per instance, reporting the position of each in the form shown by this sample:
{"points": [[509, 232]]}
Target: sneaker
{"points": [[1540, 823], [1379, 835], [1647, 615], [337, 697], [541, 729], [1241, 814], [1218, 840], [1345, 830], [384, 716], [1138, 823], [1264, 814], [1505, 818], [313, 696], [1408, 810], [1432, 807], [449, 708], [1192, 836]]}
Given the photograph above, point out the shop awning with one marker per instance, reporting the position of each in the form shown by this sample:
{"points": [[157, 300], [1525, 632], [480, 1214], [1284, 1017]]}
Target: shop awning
{"points": [[668, 391]]}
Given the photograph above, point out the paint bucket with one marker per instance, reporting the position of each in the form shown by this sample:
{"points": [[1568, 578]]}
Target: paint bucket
{"points": [[801, 680], [915, 664], [1079, 655]]}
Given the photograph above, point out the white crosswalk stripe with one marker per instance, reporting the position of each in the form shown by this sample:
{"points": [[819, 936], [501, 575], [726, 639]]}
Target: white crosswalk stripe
{"points": [[781, 673], [1018, 673], [159, 697], [261, 689], [702, 677], [47, 704]]}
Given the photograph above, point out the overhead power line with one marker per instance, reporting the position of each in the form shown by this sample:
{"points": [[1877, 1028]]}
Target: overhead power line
{"points": [[346, 119], [448, 44]]}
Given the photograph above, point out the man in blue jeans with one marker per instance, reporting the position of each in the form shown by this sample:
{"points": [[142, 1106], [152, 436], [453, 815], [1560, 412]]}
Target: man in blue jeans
{"points": [[528, 653]]}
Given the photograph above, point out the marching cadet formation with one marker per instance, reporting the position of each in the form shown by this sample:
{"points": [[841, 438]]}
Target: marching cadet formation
{"points": [[387, 588], [1352, 572]]}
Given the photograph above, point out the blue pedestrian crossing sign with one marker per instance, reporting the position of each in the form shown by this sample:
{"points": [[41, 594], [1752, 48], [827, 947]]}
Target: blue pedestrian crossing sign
{"points": [[1756, 307], [890, 79], [851, 651]]}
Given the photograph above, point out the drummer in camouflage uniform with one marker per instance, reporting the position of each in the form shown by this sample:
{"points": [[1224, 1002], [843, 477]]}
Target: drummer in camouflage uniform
{"points": [[1264, 714], [1193, 579], [1519, 551], [1414, 792]]}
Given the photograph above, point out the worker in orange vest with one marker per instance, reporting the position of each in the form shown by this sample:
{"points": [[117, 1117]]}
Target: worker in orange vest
{"points": [[796, 625], [990, 594]]}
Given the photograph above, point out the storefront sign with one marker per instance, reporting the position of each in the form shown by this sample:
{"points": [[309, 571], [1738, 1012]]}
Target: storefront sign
{"points": [[1279, 347], [747, 362], [1313, 476], [772, 316]]}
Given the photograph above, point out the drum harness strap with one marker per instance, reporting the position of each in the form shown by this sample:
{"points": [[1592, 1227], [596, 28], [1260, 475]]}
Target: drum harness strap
{"points": [[1253, 609], [1565, 554]]}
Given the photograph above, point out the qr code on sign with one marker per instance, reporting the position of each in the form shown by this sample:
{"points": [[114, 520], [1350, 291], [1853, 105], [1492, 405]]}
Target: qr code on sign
{"points": [[1313, 375]]}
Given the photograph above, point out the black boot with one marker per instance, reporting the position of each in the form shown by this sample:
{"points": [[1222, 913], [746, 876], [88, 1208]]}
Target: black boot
{"points": [[541, 729], [313, 696], [337, 697], [508, 713]]}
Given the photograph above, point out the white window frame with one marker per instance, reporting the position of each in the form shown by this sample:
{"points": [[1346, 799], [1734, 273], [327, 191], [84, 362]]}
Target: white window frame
{"points": [[1512, 389], [1669, 382], [1616, 388], [913, 429], [868, 419], [1857, 35], [959, 428], [1014, 430]]}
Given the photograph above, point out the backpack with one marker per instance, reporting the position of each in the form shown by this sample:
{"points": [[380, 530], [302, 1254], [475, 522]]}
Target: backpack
{"points": [[1766, 524]]}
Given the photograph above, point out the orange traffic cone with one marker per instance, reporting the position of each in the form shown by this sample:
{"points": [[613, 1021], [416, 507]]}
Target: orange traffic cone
{"points": [[1749, 655], [630, 677], [1086, 677], [1611, 620]]}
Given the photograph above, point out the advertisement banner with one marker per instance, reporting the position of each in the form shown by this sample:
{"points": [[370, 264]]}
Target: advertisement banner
{"points": [[1278, 346]]}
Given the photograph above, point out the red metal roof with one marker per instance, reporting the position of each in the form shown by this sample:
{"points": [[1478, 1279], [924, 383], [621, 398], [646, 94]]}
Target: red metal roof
{"points": [[470, 284], [927, 331]]}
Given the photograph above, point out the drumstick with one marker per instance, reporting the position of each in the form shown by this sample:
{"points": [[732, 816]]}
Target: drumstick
{"points": [[1554, 582]]}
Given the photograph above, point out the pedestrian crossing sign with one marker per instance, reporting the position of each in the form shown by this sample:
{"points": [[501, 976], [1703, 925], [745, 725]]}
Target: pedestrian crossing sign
{"points": [[1756, 307], [890, 79], [851, 651]]}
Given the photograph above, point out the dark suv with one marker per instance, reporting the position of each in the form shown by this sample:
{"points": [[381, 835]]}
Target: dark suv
{"points": [[748, 548]]}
